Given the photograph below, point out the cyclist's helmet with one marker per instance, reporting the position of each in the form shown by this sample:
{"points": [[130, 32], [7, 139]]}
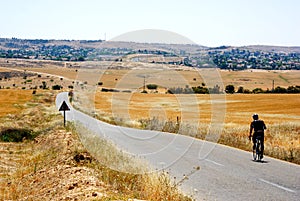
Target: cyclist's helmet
{"points": [[255, 116]]}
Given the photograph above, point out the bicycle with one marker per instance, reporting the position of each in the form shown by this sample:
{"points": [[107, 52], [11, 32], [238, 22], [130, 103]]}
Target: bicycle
{"points": [[257, 152]]}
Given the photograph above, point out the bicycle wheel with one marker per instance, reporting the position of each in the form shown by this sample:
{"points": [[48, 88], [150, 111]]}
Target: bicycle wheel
{"points": [[254, 155], [258, 150], [255, 152]]}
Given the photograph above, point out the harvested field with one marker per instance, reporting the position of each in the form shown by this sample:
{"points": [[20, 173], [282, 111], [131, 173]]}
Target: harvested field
{"points": [[12, 101], [273, 108], [110, 74], [279, 111]]}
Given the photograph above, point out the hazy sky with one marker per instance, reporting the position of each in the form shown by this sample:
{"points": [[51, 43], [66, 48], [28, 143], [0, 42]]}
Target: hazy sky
{"points": [[206, 22]]}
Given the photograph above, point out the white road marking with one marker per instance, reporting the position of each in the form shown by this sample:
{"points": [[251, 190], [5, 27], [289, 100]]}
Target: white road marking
{"points": [[219, 164], [278, 186]]}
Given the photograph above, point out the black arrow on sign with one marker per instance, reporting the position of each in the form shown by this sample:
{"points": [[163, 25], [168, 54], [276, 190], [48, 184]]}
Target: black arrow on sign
{"points": [[64, 107]]}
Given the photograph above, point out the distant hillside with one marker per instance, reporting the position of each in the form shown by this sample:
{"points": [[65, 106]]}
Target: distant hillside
{"points": [[72, 50], [224, 57], [265, 48]]}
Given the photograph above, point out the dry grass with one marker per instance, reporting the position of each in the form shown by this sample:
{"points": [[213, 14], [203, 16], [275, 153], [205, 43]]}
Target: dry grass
{"points": [[23, 78], [239, 107], [281, 140], [45, 168], [159, 112], [12, 101], [107, 73], [139, 106], [252, 79], [273, 108], [130, 176], [57, 166]]}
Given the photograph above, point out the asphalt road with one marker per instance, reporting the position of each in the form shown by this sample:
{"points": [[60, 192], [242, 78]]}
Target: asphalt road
{"points": [[225, 173]]}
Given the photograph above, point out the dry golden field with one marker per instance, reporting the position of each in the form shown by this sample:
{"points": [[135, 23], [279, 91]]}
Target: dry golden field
{"points": [[247, 79], [273, 108], [281, 113], [12, 101], [111, 73]]}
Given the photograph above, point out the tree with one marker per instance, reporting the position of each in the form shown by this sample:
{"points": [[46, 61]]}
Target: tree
{"points": [[229, 89], [258, 90], [293, 89], [280, 90], [81, 58], [152, 86], [247, 91], [56, 87], [240, 90], [44, 86], [200, 90]]}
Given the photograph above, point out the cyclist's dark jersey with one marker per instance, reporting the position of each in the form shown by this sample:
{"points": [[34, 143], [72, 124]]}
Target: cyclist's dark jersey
{"points": [[258, 126]]}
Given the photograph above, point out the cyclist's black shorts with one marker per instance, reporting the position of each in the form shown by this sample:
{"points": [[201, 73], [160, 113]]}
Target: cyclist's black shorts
{"points": [[258, 135]]}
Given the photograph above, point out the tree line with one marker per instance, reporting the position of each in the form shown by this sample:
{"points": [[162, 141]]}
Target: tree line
{"points": [[277, 90], [230, 89]]}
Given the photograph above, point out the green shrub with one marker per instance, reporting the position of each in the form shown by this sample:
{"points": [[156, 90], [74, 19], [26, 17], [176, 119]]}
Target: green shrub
{"points": [[56, 87], [16, 135], [152, 86], [229, 89], [258, 91]]}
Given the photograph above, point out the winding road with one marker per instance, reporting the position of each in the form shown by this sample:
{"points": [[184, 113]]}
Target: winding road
{"points": [[207, 171]]}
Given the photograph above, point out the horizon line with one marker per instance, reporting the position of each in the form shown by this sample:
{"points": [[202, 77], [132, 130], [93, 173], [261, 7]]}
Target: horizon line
{"points": [[124, 41]]}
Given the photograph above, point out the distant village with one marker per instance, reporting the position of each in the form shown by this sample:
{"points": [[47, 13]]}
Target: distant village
{"points": [[222, 57], [240, 59]]}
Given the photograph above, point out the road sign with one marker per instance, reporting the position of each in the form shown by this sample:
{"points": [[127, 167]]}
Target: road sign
{"points": [[64, 107]]}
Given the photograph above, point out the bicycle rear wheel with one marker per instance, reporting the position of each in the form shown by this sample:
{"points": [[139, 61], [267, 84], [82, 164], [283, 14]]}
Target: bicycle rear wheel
{"points": [[255, 154], [258, 150]]}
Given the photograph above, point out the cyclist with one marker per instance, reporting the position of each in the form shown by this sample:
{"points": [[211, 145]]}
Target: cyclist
{"points": [[258, 126]]}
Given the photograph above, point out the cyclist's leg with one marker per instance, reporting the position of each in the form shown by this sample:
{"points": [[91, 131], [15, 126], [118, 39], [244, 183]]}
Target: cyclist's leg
{"points": [[254, 140], [262, 145]]}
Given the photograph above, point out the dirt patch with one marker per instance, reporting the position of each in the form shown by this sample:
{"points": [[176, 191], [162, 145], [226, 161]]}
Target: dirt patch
{"points": [[59, 177]]}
